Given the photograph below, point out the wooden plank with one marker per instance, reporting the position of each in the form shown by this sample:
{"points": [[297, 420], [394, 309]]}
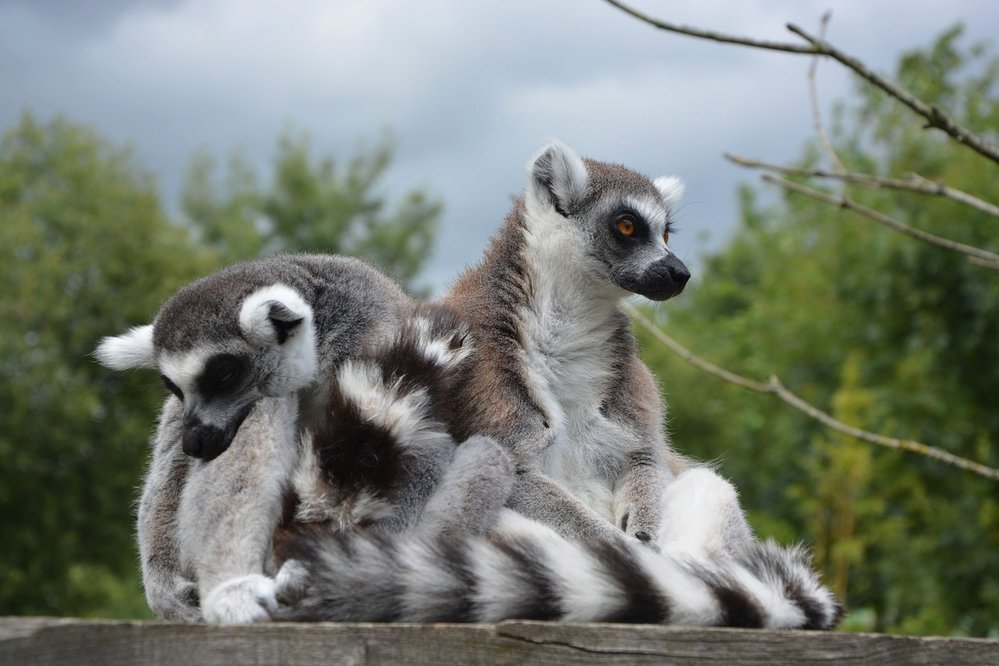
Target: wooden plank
{"points": [[31, 641]]}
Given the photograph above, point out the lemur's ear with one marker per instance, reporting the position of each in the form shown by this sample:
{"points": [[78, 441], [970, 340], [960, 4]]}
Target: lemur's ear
{"points": [[284, 320], [559, 177], [670, 188], [131, 349], [277, 315], [274, 314]]}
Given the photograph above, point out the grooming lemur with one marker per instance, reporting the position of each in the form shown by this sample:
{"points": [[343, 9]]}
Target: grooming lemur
{"points": [[251, 355], [552, 374]]}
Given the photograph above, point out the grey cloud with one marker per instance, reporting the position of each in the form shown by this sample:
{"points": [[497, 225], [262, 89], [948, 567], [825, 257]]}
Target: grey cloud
{"points": [[470, 89]]}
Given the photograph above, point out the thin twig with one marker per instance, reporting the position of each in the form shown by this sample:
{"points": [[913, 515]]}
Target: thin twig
{"points": [[713, 36], [776, 388], [813, 98], [989, 258], [912, 182], [934, 116], [982, 262]]}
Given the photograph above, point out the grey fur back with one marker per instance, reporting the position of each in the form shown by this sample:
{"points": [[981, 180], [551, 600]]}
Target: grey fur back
{"points": [[346, 294]]}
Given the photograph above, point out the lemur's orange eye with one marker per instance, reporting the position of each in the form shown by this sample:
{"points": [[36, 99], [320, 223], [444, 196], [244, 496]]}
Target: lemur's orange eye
{"points": [[626, 226], [666, 237]]}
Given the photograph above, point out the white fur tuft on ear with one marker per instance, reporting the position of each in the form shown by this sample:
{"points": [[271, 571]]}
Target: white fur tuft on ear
{"points": [[131, 349], [269, 307], [670, 188], [559, 177], [278, 315]]}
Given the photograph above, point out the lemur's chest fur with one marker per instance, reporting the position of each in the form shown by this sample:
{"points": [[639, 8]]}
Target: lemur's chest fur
{"points": [[570, 383], [569, 353]]}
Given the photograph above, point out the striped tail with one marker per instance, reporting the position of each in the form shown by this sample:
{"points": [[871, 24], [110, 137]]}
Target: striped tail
{"points": [[524, 570]]}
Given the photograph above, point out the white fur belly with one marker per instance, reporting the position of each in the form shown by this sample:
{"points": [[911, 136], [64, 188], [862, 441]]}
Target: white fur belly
{"points": [[585, 458], [569, 381]]}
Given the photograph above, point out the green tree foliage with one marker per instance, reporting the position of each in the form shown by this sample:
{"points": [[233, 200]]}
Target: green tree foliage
{"points": [[886, 333], [312, 205], [85, 251]]}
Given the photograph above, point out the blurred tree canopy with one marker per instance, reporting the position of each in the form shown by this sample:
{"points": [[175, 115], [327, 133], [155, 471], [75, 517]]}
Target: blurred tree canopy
{"points": [[86, 251], [885, 333], [311, 206]]}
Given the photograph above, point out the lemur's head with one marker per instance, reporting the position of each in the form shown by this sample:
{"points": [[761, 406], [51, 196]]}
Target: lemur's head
{"points": [[220, 345], [623, 218]]}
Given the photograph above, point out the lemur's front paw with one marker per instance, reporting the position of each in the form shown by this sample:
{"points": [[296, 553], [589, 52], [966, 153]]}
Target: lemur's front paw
{"points": [[645, 534], [646, 538], [172, 597], [290, 582], [241, 601]]}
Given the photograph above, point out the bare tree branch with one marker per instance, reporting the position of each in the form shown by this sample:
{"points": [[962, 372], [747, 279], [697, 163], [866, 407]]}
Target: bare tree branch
{"points": [[934, 116], [713, 36], [912, 183], [982, 262], [988, 258], [813, 98], [776, 388]]}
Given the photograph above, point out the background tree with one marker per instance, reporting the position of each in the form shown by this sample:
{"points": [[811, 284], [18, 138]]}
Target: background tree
{"points": [[883, 332], [86, 251], [312, 205]]}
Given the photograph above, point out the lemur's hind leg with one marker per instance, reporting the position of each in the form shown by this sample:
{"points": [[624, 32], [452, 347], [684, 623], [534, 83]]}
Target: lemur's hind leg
{"points": [[701, 516], [704, 526], [171, 593], [472, 491]]}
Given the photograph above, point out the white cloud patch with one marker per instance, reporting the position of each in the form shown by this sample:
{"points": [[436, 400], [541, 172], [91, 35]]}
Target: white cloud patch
{"points": [[470, 89]]}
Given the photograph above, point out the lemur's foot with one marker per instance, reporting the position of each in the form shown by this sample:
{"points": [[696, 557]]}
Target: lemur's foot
{"points": [[172, 597], [290, 582], [647, 535], [702, 517], [241, 600]]}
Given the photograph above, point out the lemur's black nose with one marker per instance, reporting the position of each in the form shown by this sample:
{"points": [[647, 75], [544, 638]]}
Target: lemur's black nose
{"points": [[664, 279], [202, 440], [679, 274]]}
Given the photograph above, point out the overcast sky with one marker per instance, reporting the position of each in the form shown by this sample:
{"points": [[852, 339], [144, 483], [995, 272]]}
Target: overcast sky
{"points": [[469, 88]]}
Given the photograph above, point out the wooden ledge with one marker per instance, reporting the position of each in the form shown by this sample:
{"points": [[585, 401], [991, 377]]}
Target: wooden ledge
{"points": [[30, 640]]}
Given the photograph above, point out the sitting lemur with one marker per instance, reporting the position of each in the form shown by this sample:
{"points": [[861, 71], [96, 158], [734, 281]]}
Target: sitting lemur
{"points": [[497, 454]]}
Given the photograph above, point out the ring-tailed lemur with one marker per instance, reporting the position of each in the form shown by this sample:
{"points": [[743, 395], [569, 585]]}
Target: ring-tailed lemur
{"points": [[470, 558], [557, 377], [192, 513], [251, 354]]}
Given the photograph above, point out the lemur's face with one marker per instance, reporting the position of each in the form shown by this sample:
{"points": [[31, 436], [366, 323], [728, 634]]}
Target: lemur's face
{"points": [[220, 353], [630, 235], [218, 387], [624, 217], [219, 381]]}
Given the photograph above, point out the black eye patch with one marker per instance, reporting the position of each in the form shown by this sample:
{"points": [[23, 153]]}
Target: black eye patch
{"points": [[635, 223], [173, 388], [222, 374]]}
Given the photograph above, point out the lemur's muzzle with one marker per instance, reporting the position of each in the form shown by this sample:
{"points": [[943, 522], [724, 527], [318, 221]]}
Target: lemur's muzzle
{"points": [[663, 279], [208, 441]]}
